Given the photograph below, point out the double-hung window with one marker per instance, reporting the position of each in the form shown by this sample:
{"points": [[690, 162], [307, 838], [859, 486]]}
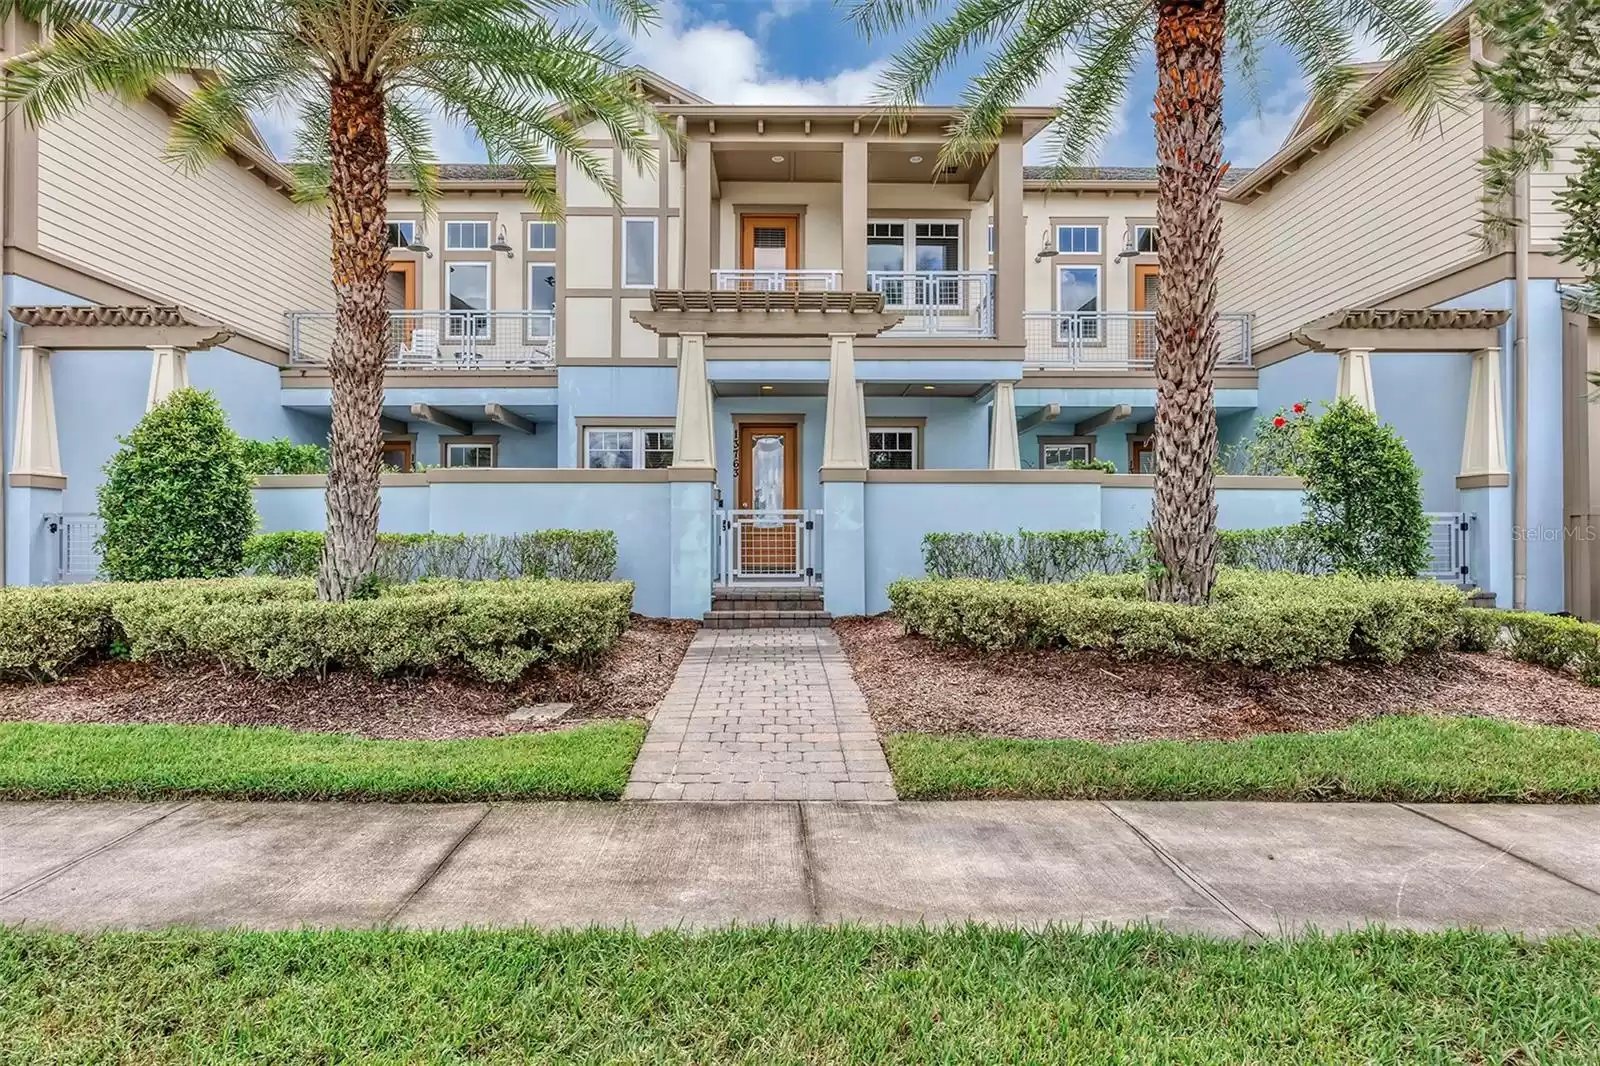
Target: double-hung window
{"points": [[466, 295], [639, 253], [627, 448], [1078, 298], [892, 447], [1077, 240], [541, 300]]}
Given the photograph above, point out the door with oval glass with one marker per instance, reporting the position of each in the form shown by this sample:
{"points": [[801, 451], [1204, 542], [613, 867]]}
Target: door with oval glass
{"points": [[767, 483]]}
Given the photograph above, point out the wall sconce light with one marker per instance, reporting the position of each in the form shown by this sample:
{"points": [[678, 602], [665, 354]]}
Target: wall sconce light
{"points": [[1048, 249], [502, 245], [419, 243], [1127, 246]]}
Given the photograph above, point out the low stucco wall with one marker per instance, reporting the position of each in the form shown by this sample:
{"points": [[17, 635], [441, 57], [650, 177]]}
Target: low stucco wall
{"points": [[636, 509], [902, 507]]}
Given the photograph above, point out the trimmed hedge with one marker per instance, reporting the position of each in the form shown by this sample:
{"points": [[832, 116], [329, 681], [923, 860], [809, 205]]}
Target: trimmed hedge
{"points": [[1070, 555], [559, 554], [282, 456], [277, 628], [1278, 621], [1542, 639]]}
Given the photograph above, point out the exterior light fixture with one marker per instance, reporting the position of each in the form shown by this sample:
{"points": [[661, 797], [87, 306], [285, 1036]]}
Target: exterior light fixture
{"points": [[766, 388], [502, 245], [777, 159], [1047, 250], [419, 243], [916, 159], [1127, 246], [927, 388]]}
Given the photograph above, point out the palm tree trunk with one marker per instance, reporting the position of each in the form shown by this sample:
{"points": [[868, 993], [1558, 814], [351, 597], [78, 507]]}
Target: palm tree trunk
{"points": [[358, 189], [1188, 124]]}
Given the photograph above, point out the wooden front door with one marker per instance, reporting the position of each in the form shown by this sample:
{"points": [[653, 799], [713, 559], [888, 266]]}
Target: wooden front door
{"points": [[1146, 289], [769, 242], [767, 481]]}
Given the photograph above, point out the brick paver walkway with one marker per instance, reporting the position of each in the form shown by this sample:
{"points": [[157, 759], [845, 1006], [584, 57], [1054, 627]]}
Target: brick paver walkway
{"points": [[762, 714]]}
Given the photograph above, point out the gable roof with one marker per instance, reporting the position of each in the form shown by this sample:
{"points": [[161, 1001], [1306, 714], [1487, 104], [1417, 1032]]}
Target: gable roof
{"points": [[1109, 177]]}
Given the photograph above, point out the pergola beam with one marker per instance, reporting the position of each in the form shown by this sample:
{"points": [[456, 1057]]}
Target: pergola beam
{"points": [[1108, 417], [426, 412], [1048, 413]]}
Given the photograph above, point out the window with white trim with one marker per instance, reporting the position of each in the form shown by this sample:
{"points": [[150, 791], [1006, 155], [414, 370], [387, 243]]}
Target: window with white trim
{"points": [[1077, 240], [471, 235], [466, 297], [627, 448], [1060, 454], [927, 248], [541, 236], [1145, 241], [402, 233], [469, 453], [892, 447], [638, 253], [541, 299], [1078, 301]]}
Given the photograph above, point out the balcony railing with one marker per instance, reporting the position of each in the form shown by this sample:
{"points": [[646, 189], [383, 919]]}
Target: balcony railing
{"points": [[1111, 340], [776, 280], [439, 340], [938, 303]]}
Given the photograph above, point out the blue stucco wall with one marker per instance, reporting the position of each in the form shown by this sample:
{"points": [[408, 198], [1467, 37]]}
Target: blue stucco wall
{"points": [[610, 392], [401, 509]]}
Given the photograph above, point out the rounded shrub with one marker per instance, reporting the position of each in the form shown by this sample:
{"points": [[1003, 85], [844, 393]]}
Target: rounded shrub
{"points": [[176, 498], [1363, 503]]}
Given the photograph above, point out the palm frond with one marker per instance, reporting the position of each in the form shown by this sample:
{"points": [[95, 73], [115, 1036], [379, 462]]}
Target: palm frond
{"points": [[411, 150], [1088, 107]]}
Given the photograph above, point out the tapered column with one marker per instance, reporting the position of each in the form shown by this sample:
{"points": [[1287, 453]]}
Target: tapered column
{"points": [[1355, 378], [1483, 449], [1005, 453], [35, 450], [844, 435], [844, 476], [169, 372], [853, 215], [692, 444]]}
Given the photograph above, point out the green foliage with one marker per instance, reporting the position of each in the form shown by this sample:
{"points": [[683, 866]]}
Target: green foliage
{"points": [[277, 628], [1073, 554], [561, 554], [1363, 495], [176, 497], [41, 761], [1275, 447], [1397, 759], [1278, 621], [282, 456], [1542, 639], [1104, 466]]}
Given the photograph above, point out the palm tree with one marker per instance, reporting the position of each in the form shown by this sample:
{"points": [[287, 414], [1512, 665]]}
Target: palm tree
{"points": [[1100, 42], [524, 75]]}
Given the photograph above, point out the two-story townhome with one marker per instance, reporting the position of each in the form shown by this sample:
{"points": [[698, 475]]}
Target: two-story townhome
{"points": [[799, 343]]}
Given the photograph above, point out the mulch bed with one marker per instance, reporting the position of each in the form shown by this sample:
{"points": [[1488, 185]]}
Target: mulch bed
{"points": [[914, 685], [629, 682]]}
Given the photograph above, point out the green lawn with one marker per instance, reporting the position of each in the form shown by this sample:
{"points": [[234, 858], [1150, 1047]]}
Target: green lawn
{"points": [[41, 761], [1418, 759], [780, 996]]}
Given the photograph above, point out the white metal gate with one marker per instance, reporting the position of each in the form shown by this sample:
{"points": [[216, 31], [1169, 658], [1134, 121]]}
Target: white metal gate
{"points": [[1447, 546], [769, 547], [76, 553]]}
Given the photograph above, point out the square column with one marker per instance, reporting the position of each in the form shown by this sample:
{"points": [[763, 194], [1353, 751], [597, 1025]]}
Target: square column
{"points": [[1005, 452], [1355, 378], [169, 372], [853, 215], [1010, 257], [697, 208]]}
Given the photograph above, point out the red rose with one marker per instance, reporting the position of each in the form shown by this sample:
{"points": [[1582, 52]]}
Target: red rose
{"points": [[1279, 422], [1299, 408]]}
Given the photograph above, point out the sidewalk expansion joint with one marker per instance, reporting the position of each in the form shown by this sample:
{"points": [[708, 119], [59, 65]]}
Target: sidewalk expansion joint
{"points": [[57, 871], [433, 871], [807, 865], [1188, 876], [1502, 850]]}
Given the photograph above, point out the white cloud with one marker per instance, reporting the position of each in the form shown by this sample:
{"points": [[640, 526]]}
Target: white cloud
{"points": [[725, 64], [777, 12], [1262, 132]]}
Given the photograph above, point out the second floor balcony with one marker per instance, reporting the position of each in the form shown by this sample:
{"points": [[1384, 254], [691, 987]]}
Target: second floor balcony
{"points": [[1117, 340], [936, 303], [439, 340]]}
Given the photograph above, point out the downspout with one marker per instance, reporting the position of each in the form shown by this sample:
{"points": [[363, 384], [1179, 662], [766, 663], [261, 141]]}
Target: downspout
{"points": [[1520, 250]]}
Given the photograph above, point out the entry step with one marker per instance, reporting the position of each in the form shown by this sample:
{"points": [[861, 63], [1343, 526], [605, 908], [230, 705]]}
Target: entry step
{"points": [[807, 599], [766, 618]]}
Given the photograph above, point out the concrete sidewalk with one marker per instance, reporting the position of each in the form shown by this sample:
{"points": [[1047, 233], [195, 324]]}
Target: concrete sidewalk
{"points": [[1229, 869]]}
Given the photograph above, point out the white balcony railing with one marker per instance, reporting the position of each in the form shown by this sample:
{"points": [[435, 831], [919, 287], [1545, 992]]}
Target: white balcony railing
{"points": [[1113, 340], [937, 303], [776, 280], [439, 340]]}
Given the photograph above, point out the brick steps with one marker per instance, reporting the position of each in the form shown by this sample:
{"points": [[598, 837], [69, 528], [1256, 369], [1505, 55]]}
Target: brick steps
{"points": [[766, 619], [766, 608]]}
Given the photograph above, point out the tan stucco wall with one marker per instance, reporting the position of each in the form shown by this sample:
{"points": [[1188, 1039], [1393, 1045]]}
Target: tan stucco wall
{"points": [[1115, 212]]}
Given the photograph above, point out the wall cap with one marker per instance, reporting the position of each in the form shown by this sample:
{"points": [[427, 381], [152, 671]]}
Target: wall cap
{"points": [[1483, 481], [1063, 477], [22, 480]]}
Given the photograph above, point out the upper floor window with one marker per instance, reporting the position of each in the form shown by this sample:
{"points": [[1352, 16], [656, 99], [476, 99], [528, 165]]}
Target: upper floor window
{"points": [[466, 295], [892, 447], [991, 237], [638, 253], [541, 299], [541, 236], [1077, 240], [467, 236], [1078, 293], [627, 448], [1144, 240], [402, 234]]}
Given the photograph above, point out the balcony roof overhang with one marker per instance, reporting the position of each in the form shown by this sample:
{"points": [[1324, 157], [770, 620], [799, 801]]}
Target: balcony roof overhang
{"points": [[67, 327], [714, 313], [1403, 330]]}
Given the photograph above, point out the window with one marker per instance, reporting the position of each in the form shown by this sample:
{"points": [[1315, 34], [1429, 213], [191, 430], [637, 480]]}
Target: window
{"points": [[892, 448], [466, 290], [639, 253], [1077, 240], [627, 448], [1056, 453], [541, 236], [1141, 455], [929, 247], [991, 238], [397, 456], [1078, 295], [541, 299], [468, 452], [466, 236], [1144, 240], [402, 234]]}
